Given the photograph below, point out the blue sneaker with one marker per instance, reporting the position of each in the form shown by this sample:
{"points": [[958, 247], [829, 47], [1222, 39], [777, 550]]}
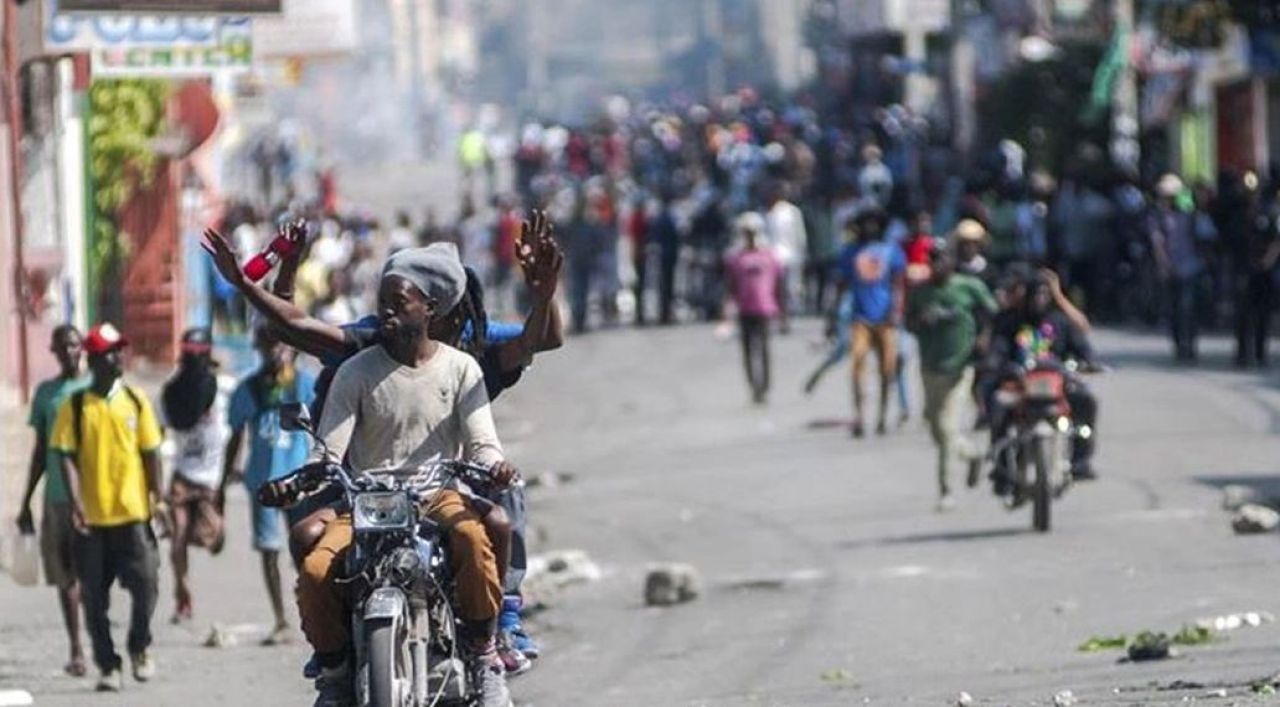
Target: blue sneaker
{"points": [[509, 624], [311, 670]]}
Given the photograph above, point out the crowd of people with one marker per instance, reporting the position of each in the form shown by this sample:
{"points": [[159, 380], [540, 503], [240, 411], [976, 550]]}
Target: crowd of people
{"points": [[107, 506], [745, 210]]}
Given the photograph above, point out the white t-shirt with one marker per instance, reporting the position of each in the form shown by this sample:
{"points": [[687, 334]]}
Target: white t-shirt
{"points": [[198, 452], [786, 231], [380, 413]]}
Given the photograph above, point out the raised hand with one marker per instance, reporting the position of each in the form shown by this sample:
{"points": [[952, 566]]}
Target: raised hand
{"points": [[540, 258], [224, 258]]}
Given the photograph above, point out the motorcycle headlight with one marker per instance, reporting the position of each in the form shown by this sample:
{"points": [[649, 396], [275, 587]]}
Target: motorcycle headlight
{"points": [[381, 511]]}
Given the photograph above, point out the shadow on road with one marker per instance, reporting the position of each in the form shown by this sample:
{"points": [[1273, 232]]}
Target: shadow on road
{"points": [[938, 537], [1265, 486]]}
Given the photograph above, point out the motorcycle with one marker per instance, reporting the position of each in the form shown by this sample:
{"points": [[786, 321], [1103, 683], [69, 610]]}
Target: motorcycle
{"points": [[403, 625], [1034, 454]]}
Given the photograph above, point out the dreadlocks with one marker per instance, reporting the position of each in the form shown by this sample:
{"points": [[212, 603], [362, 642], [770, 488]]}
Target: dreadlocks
{"points": [[475, 320]]}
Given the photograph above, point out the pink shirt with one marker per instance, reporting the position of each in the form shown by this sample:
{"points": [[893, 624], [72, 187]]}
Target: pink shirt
{"points": [[753, 277]]}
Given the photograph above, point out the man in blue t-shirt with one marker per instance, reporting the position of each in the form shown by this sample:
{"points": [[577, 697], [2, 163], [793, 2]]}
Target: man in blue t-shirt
{"points": [[872, 270], [255, 412]]}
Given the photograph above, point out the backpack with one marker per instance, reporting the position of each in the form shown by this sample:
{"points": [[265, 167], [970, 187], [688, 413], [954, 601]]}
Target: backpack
{"points": [[77, 409]]}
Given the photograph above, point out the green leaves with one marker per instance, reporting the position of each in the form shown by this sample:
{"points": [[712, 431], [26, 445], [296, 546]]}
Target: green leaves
{"points": [[125, 115]]}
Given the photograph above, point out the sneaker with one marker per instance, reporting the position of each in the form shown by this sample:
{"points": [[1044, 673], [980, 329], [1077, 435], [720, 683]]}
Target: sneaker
{"points": [[144, 668], [946, 503], [492, 683], [509, 623], [111, 681], [311, 669], [334, 689], [514, 662]]}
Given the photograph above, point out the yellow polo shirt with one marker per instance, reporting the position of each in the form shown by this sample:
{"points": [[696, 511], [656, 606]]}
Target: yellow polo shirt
{"points": [[114, 431]]}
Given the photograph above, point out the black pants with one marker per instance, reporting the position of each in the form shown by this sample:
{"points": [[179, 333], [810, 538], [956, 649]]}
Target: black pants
{"points": [[641, 265], [667, 289], [127, 553], [1182, 297], [1255, 298], [755, 352]]}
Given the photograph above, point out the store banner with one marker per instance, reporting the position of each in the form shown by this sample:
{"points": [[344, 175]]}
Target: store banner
{"points": [[65, 33], [232, 51], [185, 7]]}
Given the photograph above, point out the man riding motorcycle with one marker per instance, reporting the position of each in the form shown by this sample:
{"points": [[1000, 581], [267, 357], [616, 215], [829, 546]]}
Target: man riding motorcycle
{"points": [[502, 351], [404, 402], [1031, 329]]}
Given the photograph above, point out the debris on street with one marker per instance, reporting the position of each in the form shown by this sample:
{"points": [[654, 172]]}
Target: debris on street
{"points": [[1103, 643], [1252, 518], [1150, 646], [668, 585], [1232, 622]]}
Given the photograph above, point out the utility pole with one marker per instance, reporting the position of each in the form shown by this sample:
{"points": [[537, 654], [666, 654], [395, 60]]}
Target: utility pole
{"points": [[1125, 148], [13, 116], [962, 89]]}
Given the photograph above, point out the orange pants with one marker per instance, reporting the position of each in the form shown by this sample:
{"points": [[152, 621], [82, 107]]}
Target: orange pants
{"points": [[322, 602]]}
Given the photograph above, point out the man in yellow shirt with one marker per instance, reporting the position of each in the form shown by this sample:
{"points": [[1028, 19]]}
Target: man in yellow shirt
{"points": [[109, 441]]}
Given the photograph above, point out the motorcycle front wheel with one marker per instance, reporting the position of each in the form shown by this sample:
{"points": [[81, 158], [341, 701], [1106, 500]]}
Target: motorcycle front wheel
{"points": [[1042, 492], [386, 662]]}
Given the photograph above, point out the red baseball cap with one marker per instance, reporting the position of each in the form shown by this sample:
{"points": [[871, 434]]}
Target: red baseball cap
{"points": [[103, 338]]}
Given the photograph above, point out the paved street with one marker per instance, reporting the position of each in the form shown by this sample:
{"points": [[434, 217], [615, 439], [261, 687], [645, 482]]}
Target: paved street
{"points": [[828, 577]]}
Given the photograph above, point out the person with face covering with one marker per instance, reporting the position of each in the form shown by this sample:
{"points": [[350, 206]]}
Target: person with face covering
{"points": [[193, 409], [109, 441], [406, 401]]}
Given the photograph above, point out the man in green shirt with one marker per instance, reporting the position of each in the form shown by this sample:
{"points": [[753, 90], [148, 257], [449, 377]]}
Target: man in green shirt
{"points": [[56, 533], [946, 314]]}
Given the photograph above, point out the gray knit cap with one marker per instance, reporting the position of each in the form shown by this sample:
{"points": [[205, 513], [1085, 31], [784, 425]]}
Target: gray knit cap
{"points": [[435, 270]]}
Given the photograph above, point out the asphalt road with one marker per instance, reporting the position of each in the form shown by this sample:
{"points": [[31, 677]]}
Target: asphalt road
{"points": [[828, 579]]}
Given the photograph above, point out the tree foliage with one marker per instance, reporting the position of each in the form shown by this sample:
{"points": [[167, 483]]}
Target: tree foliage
{"points": [[125, 115]]}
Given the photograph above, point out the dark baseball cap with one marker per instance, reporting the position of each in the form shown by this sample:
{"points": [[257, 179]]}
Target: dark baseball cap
{"points": [[197, 340]]}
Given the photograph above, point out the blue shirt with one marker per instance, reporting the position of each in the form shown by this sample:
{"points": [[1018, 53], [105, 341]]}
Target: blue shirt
{"points": [[273, 453], [869, 271]]}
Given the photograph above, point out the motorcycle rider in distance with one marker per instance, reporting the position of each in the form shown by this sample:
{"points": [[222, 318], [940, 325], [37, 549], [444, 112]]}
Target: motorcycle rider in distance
{"points": [[1032, 328], [404, 402]]}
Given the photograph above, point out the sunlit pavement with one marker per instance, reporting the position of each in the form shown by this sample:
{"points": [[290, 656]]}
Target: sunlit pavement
{"points": [[828, 578]]}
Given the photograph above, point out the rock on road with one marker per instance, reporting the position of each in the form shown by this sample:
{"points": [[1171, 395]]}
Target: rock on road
{"points": [[827, 578]]}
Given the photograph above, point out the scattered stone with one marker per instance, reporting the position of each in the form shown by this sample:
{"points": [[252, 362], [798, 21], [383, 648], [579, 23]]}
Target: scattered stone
{"points": [[549, 573], [220, 637], [1150, 646], [1252, 518], [1066, 698], [668, 585], [1231, 622], [1214, 694], [964, 699], [16, 698], [1234, 496], [1065, 607]]}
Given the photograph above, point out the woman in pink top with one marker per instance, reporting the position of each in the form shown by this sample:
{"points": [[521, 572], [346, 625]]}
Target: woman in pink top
{"points": [[754, 276]]}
